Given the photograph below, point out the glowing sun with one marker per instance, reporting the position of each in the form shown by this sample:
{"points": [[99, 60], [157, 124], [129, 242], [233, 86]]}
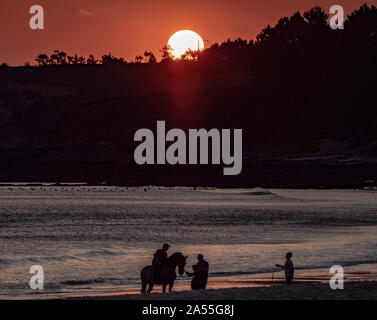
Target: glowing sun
{"points": [[184, 40]]}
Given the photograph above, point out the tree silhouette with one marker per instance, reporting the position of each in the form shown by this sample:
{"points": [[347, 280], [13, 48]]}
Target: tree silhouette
{"points": [[166, 53], [81, 60], [62, 56], [91, 60], [110, 59], [42, 59], [138, 59], [363, 22], [316, 16], [306, 31], [54, 58], [190, 55], [73, 59], [150, 57]]}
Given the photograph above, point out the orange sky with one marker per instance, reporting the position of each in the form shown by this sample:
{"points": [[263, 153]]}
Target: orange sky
{"points": [[129, 27]]}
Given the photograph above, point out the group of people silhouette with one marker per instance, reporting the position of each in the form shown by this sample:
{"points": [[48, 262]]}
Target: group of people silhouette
{"points": [[201, 268]]}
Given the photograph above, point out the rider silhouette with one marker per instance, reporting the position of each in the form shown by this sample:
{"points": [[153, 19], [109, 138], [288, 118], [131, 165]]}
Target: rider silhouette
{"points": [[159, 258]]}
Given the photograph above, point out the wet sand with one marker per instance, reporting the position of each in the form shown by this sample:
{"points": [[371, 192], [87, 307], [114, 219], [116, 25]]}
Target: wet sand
{"points": [[363, 290], [308, 285]]}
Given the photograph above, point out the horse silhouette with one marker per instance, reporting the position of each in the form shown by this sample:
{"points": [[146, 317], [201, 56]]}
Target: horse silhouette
{"points": [[168, 274]]}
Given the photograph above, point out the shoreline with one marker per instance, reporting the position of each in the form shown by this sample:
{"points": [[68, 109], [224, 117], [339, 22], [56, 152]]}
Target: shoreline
{"points": [[309, 284], [360, 282]]}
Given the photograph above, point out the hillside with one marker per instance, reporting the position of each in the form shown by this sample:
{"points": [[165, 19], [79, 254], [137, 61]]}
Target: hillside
{"points": [[305, 101]]}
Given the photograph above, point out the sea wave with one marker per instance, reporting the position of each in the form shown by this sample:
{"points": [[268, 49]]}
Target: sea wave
{"points": [[77, 282], [259, 193], [14, 261], [307, 267], [96, 253]]}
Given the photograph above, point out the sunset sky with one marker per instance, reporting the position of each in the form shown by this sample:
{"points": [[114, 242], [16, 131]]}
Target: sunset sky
{"points": [[129, 27]]}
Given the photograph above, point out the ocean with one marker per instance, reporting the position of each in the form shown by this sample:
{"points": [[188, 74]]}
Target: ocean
{"points": [[96, 239]]}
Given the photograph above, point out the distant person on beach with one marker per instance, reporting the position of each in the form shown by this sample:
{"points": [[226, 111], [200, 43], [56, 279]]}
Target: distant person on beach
{"points": [[288, 268], [200, 274], [159, 258]]}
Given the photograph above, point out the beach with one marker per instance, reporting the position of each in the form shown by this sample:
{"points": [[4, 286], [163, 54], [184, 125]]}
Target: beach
{"points": [[361, 290], [308, 285], [92, 241]]}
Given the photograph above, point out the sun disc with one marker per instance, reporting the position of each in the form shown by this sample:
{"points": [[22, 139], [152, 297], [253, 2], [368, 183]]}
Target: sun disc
{"points": [[185, 40]]}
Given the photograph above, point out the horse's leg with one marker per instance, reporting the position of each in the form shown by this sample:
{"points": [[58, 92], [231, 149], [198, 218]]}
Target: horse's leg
{"points": [[143, 286], [164, 287], [171, 284], [150, 288]]}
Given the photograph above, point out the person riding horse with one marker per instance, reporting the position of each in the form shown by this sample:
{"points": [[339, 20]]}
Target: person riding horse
{"points": [[167, 273], [159, 258]]}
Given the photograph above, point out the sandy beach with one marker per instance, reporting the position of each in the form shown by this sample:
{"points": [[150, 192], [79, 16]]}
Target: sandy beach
{"points": [[361, 290], [309, 285]]}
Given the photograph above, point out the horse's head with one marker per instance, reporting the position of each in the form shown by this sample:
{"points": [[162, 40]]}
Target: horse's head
{"points": [[179, 261], [182, 264]]}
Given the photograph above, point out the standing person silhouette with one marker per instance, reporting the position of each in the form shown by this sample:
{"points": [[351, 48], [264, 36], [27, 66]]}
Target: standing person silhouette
{"points": [[288, 268], [200, 274], [159, 258]]}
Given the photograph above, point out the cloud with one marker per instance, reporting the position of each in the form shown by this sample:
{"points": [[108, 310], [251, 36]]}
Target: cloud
{"points": [[83, 12]]}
